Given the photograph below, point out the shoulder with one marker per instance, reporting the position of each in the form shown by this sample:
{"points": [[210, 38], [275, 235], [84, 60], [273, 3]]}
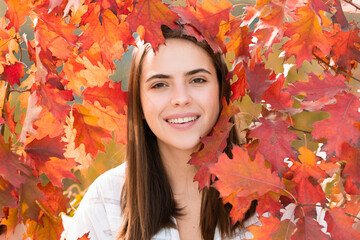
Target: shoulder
{"points": [[99, 211]]}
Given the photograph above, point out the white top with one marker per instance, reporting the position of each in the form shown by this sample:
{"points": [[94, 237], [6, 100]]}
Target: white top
{"points": [[99, 213]]}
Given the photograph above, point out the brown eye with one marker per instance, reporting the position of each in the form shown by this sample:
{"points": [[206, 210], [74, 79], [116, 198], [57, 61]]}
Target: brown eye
{"points": [[198, 80], [159, 85]]}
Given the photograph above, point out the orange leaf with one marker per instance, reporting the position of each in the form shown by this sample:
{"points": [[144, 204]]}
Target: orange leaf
{"points": [[57, 169], [151, 14], [11, 221], [16, 13], [272, 228], [278, 99], [340, 224], [305, 34], [87, 131]]}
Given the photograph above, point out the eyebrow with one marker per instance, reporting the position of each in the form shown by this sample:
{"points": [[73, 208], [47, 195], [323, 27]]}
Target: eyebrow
{"points": [[192, 72]]}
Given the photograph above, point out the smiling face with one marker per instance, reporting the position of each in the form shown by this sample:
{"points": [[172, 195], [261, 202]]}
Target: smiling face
{"points": [[179, 94]]}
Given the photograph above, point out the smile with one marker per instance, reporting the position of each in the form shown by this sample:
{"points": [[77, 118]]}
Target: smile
{"points": [[182, 120]]}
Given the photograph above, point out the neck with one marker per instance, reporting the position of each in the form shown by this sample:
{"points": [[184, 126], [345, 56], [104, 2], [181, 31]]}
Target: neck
{"points": [[180, 172]]}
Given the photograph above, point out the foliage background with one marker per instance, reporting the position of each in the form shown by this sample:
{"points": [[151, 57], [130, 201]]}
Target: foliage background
{"points": [[50, 161]]}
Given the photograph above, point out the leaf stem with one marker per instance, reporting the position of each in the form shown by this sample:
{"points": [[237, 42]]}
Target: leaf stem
{"points": [[351, 215], [352, 4], [335, 69], [300, 130]]}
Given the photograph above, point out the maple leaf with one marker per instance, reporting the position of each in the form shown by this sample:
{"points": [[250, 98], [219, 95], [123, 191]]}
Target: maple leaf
{"points": [[352, 157], [343, 48], [13, 73], [214, 144], [54, 200], [48, 125], [112, 35], [30, 195], [238, 87], [107, 95], [305, 34], [87, 131], [58, 169], [340, 126], [309, 228], [340, 225], [339, 16], [258, 80], [51, 228], [276, 97], [151, 14], [240, 177], [16, 12], [272, 228], [269, 203], [10, 165], [275, 139], [32, 114], [316, 89]]}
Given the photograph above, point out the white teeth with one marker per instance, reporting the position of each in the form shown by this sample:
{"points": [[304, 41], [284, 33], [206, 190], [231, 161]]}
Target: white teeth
{"points": [[182, 120]]}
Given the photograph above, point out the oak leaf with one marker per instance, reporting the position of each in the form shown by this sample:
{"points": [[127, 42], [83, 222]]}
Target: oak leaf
{"points": [[340, 127], [240, 39], [352, 157], [273, 228], [305, 34], [151, 14], [240, 177], [240, 85], [16, 12], [275, 139], [13, 73], [340, 225], [276, 97], [87, 131], [107, 95], [214, 144], [259, 81], [309, 228]]}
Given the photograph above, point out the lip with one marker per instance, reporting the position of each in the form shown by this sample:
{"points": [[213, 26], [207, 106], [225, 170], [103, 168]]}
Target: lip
{"points": [[182, 126]]}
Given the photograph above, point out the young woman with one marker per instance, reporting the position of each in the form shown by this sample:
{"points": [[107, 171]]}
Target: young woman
{"points": [[174, 100]]}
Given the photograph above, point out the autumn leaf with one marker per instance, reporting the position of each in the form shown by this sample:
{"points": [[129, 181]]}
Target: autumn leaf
{"points": [[352, 157], [7, 198], [240, 40], [84, 237], [273, 228], [107, 95], [276, 97], [316, 88], [28, 207], [13, 73], [10, 165], [87, 131], [214, 144], [240, 85], [340, 126], [309, 228], [242, 177], [275, 139], [32, 114], [112, 35], [10, 221], [305, 34], [258, 80], [344, 47], [16, 13], [151, 14], [340, 225]]}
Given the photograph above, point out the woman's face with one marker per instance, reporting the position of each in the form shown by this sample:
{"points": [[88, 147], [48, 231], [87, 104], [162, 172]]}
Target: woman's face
{"points": [[179, 94]]}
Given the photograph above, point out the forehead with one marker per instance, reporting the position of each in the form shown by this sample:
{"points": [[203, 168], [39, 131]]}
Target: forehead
{"points": [[176, 56]]}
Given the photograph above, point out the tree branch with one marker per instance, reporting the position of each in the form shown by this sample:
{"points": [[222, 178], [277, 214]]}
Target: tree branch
{"points": [[335, 69], [352, 4]]}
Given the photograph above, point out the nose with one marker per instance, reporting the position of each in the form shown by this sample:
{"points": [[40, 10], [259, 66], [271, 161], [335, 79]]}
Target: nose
{"points": [[180, 95]]}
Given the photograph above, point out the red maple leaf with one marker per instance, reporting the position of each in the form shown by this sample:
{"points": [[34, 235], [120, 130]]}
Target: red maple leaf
{"points": [[10, 165], [340, 127], [258, 80], [240, 177], [54, 201], [57, 169], [240, 39], [87, 131], [275, 139], [340, 225], [240, 85], [276, 97], [316, 88], [305, 34], [309, 228], [151, 14], [13, 73], [214, 144], [107, 95]]}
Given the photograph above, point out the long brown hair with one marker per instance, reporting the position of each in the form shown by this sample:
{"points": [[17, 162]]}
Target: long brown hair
{"points": [[147, 201]]}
